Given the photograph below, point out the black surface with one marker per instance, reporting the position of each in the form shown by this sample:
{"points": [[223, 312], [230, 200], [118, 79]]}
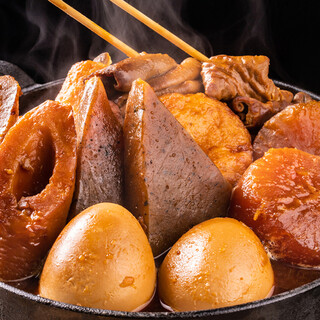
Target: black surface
{"points": [[45, 42]]}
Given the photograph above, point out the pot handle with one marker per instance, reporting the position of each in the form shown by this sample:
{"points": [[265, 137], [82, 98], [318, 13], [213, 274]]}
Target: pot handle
{"points": [[8, 68]]}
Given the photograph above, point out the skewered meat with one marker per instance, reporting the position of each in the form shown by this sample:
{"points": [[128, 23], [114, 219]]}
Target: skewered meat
{"points": [[278, 198], [10, 92], [216, 129], [228, 77], [170, 183], [119, 76], [188, 86]]}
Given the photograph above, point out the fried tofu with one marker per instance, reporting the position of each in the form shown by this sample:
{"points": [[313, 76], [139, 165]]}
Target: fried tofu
{"points": [[217, 130]]}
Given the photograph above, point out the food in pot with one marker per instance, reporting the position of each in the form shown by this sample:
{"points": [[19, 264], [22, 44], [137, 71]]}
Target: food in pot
{"points": [[160, 71], [218, 263], [121, 75], [245, 79], [297, 126], [74, 85], [175, 79], [170, 183], [102, 259], [278, 197], [100, 152], [216, 129], [37, 174], [10, 92]]}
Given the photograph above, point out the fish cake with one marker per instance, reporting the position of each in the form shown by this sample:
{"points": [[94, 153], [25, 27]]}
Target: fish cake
{"points": [[217, 130]]}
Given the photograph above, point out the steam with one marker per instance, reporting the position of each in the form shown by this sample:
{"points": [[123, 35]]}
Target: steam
{"points": [[52, 41], [55, 41], [141, 38]]}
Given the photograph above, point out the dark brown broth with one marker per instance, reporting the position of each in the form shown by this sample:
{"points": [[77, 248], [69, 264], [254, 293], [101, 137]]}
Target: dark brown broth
{"points": [[286, 278]]}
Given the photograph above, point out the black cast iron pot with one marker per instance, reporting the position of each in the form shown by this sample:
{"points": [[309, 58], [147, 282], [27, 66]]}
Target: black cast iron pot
{"points": [[302, 303]]}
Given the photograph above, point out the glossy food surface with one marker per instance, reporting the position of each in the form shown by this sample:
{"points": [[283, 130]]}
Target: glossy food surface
{"points": [[218, 263], [278, 197], [37, 173], [297, 126], [217, 130], [102, 259]]}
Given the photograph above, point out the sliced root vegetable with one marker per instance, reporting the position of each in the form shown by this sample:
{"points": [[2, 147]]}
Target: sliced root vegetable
{"points": [[297, 126], [100, 151], [278, 197], [10, 92], [217, 130], [37, 174], [170, 183]]}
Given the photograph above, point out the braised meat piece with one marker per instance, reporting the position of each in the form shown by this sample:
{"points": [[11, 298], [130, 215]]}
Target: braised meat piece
{"points": [[228, 77], [189, 69], [255, 113], [188, 86], [145, 66], [159, 70]]}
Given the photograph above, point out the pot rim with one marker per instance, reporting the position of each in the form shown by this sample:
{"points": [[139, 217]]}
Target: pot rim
{"points": [[162, 314], [166, 314]]}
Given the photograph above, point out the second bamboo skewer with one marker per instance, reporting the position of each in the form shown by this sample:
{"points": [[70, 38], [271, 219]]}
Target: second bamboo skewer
{"points": [[95, 28], [161, 30]]}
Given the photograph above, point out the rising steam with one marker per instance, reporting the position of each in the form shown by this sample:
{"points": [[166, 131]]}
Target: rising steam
{"points": [[54, 41]]}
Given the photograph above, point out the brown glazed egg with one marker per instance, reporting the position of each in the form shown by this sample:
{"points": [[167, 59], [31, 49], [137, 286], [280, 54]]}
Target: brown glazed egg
{"points": [[102, 259], [218, 263], [279, 198]]}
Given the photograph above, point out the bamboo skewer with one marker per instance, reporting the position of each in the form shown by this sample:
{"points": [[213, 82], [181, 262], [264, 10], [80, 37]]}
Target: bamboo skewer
{"points": [[161, 30], [95, 28]]}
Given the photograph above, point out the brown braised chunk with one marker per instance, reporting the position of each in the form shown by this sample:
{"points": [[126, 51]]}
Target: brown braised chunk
{"points": [[10, 92], [120, 76], [243, 82], [159, 70], [37, 174], [170, 183], [99, 168], [217, 130], [296, 126], [175, 79], [278, 198]]}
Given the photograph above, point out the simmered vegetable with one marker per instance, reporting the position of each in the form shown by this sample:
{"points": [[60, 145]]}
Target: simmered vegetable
{"points": [[278, 197], [102, 259], [297, 126], [37, 174]]}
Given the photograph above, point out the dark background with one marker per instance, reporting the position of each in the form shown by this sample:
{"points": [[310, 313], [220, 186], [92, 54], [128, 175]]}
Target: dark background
{"points": [[45, 42]]}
